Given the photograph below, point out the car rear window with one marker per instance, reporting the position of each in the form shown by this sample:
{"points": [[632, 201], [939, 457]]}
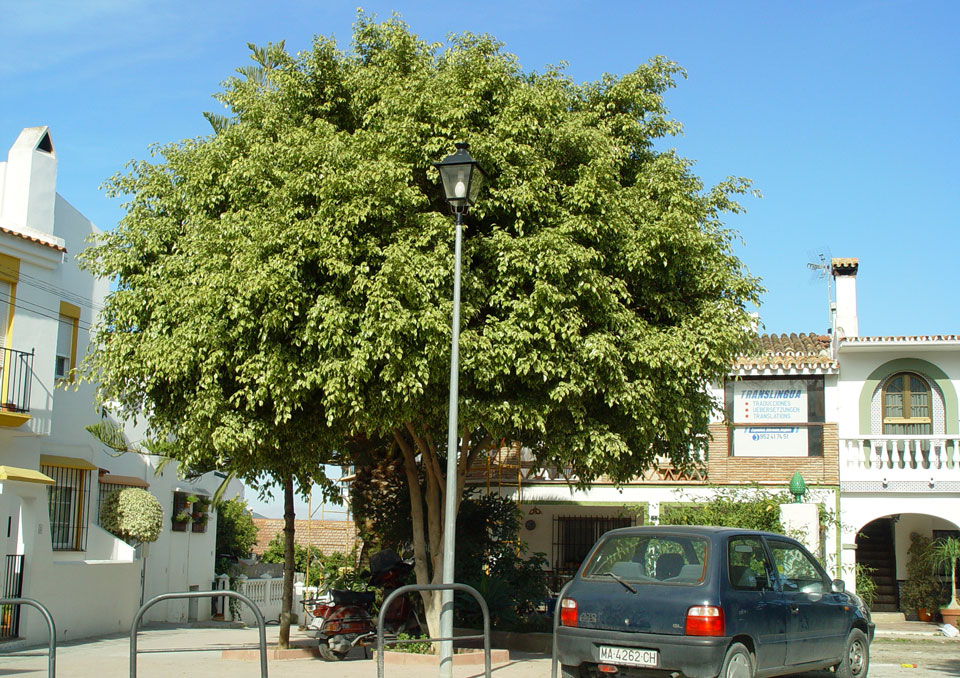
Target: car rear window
{"points": [[669, 558]]}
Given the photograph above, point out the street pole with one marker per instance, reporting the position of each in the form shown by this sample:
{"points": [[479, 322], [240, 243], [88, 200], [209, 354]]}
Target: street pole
{"points": [[450, 503]]}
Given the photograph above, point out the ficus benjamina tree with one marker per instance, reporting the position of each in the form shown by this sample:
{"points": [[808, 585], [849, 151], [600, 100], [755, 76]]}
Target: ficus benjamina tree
{"points": [[284, 286]]}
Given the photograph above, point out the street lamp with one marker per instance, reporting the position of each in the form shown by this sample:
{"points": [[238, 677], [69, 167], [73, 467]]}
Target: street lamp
{"points": [[462, 178]]}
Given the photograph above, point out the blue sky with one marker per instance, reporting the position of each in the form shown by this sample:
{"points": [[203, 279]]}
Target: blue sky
{"points": [[844, 114]]}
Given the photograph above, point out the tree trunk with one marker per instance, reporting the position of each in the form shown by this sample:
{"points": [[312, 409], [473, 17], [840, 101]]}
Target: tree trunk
{"points": [[428, 525], [288, 563]]}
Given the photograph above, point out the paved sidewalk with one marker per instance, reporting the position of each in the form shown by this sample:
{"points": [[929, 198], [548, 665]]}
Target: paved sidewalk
{"points": [[166, 651]]}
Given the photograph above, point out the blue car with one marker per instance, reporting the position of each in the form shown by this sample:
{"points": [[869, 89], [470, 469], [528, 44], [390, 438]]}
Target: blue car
{"points": [[707, 601]]}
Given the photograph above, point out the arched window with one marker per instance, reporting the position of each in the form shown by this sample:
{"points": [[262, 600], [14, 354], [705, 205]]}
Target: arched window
{"points": [[907, 408]]}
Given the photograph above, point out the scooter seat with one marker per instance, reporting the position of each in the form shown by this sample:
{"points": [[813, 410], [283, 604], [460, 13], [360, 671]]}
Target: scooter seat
{"points": [[364, 599]]}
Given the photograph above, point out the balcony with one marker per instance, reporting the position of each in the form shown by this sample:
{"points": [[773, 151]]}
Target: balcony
{"points": [[16, 372], [922, 460]]}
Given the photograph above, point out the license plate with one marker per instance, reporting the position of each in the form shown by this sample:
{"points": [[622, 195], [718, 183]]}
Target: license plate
{"points": [[628, 656]]}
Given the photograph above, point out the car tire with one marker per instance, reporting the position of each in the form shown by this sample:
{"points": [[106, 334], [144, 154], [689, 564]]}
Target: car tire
{"points": [[568, 671], [856, 656], [737, 663]]}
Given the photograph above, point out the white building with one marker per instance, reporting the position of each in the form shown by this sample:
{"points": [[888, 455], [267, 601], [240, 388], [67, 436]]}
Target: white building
{"points": [[871, 424], [53, 473], [899, 439]]}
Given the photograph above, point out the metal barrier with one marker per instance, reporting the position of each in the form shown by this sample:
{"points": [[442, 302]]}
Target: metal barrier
{"points": [[51, 627], [403, 590], [556, 623], [197, 594]]}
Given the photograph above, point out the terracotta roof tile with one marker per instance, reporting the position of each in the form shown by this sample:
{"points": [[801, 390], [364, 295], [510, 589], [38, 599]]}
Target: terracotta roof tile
{"points": [[789, 351], [54, 245]]}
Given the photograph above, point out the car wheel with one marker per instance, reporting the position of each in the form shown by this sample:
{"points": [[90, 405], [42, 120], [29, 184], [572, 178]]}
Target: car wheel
{"points": [[738, 663], [567, 671], [856, 656]]}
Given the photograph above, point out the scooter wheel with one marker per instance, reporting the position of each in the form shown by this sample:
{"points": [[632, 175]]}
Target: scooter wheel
{"points": [[329, 654]]}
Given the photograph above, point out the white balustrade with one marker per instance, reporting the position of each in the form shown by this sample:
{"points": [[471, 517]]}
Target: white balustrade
{"points": [[893, 458], [266, 593]]}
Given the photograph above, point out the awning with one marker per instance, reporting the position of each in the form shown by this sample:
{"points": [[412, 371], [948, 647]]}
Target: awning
{"points": [[108, 479], [66, 462], [25, 475]]}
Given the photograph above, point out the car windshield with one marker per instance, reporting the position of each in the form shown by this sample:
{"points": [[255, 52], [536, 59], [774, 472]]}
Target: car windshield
{"points": [[670, 558]]}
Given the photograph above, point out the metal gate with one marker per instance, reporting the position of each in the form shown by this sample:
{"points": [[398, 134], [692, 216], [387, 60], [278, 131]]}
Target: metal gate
{"points": [[12, 588]]}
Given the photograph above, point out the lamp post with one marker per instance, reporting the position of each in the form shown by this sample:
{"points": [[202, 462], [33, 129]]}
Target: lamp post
{"points": [[462, 177]]}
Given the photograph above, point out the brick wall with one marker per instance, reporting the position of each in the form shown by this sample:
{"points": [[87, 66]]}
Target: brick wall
{"points": [[327, 535], [722, 468]]}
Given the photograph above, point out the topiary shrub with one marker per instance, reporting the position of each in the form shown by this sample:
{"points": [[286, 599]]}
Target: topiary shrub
{"points": [[133, 515]]}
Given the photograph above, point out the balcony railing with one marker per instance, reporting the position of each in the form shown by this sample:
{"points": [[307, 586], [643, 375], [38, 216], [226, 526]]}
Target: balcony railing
{"points": [[16, 370], [888, 458]]}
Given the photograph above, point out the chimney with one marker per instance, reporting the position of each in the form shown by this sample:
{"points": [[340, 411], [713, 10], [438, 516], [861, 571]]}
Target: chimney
{"points": [[844, 272], [29, 190]]}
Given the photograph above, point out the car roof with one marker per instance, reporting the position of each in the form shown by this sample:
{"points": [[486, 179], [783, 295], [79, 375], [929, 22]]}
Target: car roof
{"points": [[700, 530]]}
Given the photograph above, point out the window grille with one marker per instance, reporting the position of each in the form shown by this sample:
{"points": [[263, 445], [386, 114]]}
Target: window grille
{"points": [[69, 505], [179, 508], [574, 536], [12, 588]]}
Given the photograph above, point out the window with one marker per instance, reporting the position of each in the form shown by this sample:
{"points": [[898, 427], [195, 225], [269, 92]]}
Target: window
{"points": [[798, 571], [775, 417], [573, 537], [66, 340], [747, 564], [906, 405], [68, 502], [670, 558], [190, 509]]}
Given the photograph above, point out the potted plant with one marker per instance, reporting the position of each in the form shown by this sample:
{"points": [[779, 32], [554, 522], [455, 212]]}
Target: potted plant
{"points": [[947, 552], [921, 590]]}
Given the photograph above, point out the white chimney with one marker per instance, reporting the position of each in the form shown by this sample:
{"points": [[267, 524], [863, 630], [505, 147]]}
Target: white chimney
{"points": [[845, 274], [29, 190]]}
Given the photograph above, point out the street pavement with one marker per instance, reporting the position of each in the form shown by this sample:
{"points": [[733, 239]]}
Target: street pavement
{"points": [[901, 650]]}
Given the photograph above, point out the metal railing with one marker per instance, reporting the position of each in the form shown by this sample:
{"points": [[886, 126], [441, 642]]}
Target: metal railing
{"points": [[403, 590], [135, 626], [16, 368], [12, 588], [51, 628], [556, 622]]}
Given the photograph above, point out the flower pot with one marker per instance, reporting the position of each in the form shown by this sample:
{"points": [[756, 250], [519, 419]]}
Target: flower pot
{"points": [[950, 615], [923, 614]]}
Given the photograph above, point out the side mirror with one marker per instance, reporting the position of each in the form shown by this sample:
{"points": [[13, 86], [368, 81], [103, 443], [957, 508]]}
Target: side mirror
{"points": [[838, 586]]}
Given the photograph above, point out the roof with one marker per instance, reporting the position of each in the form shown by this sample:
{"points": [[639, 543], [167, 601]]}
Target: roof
{"points": [[41, 239], [788, 353], [132, 481]]}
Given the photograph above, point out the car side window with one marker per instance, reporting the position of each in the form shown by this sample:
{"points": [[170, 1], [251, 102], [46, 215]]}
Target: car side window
{"points": [[747, 564], [798, 571]]}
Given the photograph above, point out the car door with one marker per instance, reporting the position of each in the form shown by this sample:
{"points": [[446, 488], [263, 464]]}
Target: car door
{"points": [[816, 616], [752, 601]]}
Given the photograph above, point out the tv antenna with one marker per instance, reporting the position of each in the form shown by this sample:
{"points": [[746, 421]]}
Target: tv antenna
{"points": [[820, 264]]}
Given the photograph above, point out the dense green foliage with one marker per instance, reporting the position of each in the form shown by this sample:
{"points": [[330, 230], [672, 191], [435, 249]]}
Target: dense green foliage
{"points": [[751, 508], [492, 559], [921, 589], [336, 570], [236, 531], [283, 287], [133, 514]]}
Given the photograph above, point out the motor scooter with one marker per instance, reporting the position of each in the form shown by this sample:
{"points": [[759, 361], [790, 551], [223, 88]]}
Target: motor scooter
{"points": [[344, 619]]}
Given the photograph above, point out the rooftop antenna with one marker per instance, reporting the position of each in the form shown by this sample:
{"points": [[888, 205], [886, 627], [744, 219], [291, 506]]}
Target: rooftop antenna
{"points": [[820, 264]]}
